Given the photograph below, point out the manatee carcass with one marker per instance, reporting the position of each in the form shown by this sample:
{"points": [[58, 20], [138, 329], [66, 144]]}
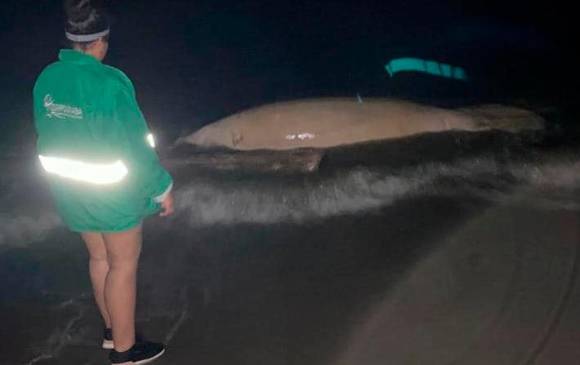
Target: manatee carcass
{"points": [[322, 123]]}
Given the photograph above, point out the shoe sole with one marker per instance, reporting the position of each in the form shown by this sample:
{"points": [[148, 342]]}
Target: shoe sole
{"points": [[146, 361]]}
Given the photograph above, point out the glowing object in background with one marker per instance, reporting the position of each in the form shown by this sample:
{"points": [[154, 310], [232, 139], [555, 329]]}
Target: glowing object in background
{"points": [[430, 67], [150, 140], [94, 173]]}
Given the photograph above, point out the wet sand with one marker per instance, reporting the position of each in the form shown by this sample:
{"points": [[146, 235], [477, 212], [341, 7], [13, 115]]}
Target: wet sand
{"points": [[448, 249]]}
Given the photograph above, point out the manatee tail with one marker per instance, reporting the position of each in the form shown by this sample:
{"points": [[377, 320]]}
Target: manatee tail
{"points": [[505, 118]]}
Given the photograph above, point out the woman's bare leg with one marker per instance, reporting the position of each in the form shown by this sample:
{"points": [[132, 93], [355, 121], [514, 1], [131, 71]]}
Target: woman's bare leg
{"points": [[98, 269], [123, 249]]}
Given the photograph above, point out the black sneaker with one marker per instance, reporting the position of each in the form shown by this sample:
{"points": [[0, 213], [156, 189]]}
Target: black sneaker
{"points": [[140, 353], [108, 339]]}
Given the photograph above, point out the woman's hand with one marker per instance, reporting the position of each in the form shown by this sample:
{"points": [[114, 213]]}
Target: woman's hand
{"points": [[167, 206]]}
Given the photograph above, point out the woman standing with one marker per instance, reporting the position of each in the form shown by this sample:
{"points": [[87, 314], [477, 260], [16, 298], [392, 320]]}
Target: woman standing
{"points": [[99, 158]]}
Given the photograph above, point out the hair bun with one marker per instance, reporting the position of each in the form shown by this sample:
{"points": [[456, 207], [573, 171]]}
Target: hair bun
{"points": [[84, 16], [78, 10]]}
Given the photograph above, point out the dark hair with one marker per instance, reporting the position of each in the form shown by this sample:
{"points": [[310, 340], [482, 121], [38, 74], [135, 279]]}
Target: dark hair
{"points": [[85, 17]]}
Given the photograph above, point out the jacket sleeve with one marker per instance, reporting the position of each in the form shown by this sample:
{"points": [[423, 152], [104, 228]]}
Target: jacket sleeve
{"points": [[137, 146]]}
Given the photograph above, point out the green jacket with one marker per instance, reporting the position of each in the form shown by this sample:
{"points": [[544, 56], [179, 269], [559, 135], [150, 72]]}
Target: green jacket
{"points": [[86, 112]]}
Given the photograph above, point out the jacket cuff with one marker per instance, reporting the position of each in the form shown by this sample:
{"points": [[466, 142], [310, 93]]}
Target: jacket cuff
{"points": [[161, 198]]}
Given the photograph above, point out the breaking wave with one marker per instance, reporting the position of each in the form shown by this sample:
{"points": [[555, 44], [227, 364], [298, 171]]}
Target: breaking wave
{"points": [[349, 192], [257, 199]]}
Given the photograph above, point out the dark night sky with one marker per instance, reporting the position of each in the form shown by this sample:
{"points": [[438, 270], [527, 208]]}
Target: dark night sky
{"points": [[195, 61]]}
